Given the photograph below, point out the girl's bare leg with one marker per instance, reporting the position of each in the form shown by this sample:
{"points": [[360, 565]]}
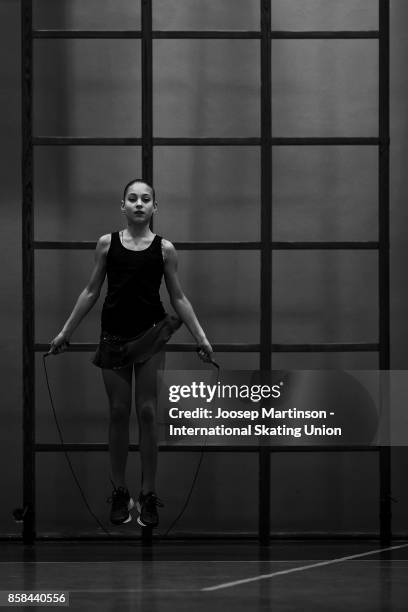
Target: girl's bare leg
{"points": [[118, 385], [146, 407]]}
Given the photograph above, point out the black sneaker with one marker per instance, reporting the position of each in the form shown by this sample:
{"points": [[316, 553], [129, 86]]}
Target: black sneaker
{"points": [[147, 507], [121, 504]]}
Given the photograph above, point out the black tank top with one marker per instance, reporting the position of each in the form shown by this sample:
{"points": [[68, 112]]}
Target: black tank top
{"points": [[132, 303]]}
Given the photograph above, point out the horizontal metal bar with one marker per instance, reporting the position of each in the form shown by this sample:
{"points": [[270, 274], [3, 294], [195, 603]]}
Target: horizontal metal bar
{"points": [[224, 246], [274, 34], [238, 536], [326, 141], [327, 347], [101, 447], [85, 141], [202, 34], [323, 245], [101, 34], [320, 34], [118, 141], [207, 142], [194, 448], [237, 347], [184, 246]]}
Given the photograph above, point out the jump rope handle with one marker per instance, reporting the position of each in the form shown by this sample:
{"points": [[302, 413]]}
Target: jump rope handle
{"points": [[211, 360], [50, 352]]}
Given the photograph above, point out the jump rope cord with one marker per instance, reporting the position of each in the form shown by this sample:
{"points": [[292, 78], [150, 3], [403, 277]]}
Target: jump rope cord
{"points": [[65, 452], [77, 481], [196, 472]]}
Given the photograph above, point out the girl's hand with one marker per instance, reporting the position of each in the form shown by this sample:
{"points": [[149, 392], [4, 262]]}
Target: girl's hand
{"points": [[205, 351], [59, 344]]}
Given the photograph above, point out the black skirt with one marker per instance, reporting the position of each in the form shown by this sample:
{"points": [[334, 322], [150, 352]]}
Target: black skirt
{"points": [[116, 352]]}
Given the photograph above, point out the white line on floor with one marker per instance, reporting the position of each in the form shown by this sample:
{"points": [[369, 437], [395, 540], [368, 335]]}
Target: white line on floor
{"points": [[141, 590], [226, 585], [190, 561]]}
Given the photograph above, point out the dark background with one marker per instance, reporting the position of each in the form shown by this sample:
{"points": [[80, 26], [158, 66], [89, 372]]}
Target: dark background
{"points": [[204, 88]]}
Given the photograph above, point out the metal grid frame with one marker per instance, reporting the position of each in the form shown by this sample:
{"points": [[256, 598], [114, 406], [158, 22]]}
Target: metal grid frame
{"points": [[266, 141]]}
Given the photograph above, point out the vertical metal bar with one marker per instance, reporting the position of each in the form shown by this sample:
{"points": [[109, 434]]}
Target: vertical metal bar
{"points": [[266, 252], [28, 274], [147, 92], [383, 255], [147, 131]]}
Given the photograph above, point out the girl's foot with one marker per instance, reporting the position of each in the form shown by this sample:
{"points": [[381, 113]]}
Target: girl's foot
{"points": [[147, 508], [121, 504]]}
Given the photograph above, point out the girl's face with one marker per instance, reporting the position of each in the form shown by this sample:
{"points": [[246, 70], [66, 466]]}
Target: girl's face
{"points": [[139, 205]]}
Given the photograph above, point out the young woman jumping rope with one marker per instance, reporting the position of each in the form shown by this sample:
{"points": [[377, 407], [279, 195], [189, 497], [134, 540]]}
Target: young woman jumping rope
{"points": [[134, 330]]}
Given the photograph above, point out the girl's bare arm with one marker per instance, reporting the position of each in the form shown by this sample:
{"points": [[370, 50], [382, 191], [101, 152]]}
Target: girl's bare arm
{"points": [[86, 298], [179, 301]]}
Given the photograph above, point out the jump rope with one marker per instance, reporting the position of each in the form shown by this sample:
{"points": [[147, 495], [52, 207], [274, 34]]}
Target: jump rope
{"points": [[180, 514]]}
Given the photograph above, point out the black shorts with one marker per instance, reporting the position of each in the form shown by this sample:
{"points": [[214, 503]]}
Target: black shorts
{"points": [[116, 352]]}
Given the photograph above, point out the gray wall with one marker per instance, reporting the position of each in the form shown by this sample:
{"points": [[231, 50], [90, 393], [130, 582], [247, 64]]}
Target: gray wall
{"points": [[204, 88]]}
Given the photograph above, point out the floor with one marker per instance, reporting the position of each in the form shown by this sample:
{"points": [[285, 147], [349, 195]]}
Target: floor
{"points": [[213, 575]]}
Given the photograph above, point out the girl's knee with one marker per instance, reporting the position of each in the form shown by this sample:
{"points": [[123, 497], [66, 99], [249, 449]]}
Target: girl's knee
{"points": [[147, 413], [119, 412]]}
